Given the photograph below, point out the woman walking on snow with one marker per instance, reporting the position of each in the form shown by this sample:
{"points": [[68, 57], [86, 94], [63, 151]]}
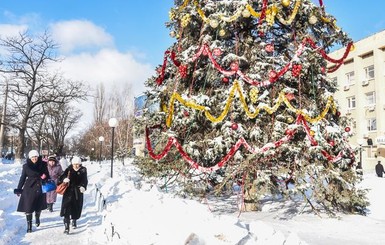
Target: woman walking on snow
{"points": [[72, 202], [32, 199], [55, 170]]}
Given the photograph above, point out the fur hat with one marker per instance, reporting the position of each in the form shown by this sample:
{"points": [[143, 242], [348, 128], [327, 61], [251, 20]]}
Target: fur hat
{"points": [[52, 158], [33, 153], [76, 160]]}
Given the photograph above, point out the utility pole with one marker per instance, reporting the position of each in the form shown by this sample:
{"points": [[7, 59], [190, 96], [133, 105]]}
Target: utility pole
{"points": [[3, 117]]}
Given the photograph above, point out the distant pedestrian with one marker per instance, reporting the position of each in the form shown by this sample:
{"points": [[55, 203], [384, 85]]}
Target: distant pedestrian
{"points": [[32, 199], [379, 169], [55, 170], [72, 202]]}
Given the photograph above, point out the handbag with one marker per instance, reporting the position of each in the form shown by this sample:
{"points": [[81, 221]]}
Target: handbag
{"points": [[48, 186], [60, 189]]}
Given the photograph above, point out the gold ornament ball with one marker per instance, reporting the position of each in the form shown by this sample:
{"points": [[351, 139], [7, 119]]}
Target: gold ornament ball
{"points": [[246, 13], [214, 23], [285, 3], [313, 19], [222, 33], [290, 119]]}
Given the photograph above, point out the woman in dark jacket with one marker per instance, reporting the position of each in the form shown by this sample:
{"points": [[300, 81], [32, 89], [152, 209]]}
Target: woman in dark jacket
{"points": [[72, 202], [32, 199]]}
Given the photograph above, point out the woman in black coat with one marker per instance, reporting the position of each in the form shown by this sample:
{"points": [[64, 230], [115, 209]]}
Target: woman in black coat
{"points": [[32, 199], [72, 201]]}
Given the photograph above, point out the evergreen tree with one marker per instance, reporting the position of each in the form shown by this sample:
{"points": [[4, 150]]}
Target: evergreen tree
{"points": [[245, 100]]}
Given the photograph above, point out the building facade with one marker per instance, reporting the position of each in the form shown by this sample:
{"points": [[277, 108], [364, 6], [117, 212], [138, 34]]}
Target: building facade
{"points": [[361, 95]]}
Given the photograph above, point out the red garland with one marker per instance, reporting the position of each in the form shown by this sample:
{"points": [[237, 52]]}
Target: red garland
{"points": [[263, 15], [204, 49], [182, 70], [173, 141]]}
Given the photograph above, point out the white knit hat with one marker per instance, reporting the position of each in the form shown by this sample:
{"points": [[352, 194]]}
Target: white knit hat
{"points": [[33, 153], [76, 160]]}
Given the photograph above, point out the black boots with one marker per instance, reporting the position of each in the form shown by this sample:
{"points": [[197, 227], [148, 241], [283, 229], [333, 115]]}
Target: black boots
{"points": [[37, 217], [29, 222], [74, 224], [66, 226], [50, 207]]}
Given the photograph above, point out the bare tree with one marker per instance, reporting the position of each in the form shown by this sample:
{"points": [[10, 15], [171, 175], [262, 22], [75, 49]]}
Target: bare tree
{"points": [[100, 104], [31, 83], [55, 124]]}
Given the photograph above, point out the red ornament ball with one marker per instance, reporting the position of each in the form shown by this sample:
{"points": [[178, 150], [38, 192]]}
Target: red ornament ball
{"points": [[234, 66], [347, 129], [296, 70], [289, 132], [269, 48], [234, 126], [186, 113], [331, 142], [338, 113], [217, 52], [225, 80], [272, 75]]}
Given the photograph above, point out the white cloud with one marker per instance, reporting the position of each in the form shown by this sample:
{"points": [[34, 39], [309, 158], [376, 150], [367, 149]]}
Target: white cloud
{"points": [[108, 66], [7, 30], [80, 34]]}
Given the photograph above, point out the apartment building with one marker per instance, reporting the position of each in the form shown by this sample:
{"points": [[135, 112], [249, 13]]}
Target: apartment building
{"points": [[361, 95]]}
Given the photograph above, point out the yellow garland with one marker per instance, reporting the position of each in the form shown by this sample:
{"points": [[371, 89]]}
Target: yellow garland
{"points": [[292, 16], [184, 4], [252, 11], [232, 18], [271, 14], [237, 88], [201, 13]]}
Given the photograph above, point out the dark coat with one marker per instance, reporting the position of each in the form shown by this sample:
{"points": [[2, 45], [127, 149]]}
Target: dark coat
{"points": [[379, 169], [72, 202], [32, 198]]}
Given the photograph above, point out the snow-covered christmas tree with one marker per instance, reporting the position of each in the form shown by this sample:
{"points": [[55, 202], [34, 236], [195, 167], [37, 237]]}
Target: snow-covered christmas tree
{"points": [[245, 100]]}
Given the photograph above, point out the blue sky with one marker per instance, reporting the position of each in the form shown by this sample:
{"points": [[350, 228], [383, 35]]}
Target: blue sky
{"points": [[120, 42], [136, 26]]}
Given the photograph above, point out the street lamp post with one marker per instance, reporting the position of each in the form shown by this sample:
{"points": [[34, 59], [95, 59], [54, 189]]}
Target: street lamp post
{"points": [[92, 155], [101, 139], [360, 143], [113, 122]]}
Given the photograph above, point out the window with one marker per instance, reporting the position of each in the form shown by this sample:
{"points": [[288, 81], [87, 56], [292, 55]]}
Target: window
{"points": [[372, 124], [370, 98], [349, 78], [351, 102], [369, 72]]}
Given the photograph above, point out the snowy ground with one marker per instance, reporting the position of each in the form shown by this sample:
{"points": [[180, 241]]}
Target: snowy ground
{"points": [[129, 210]]}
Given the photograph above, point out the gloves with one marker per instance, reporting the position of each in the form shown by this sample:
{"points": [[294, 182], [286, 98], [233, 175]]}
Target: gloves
{"points": [[66, 180], [82, 189], [17, 191]]}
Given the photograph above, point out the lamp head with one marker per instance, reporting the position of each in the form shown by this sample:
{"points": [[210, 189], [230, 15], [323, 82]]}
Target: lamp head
{"points": [[113, 122]]}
